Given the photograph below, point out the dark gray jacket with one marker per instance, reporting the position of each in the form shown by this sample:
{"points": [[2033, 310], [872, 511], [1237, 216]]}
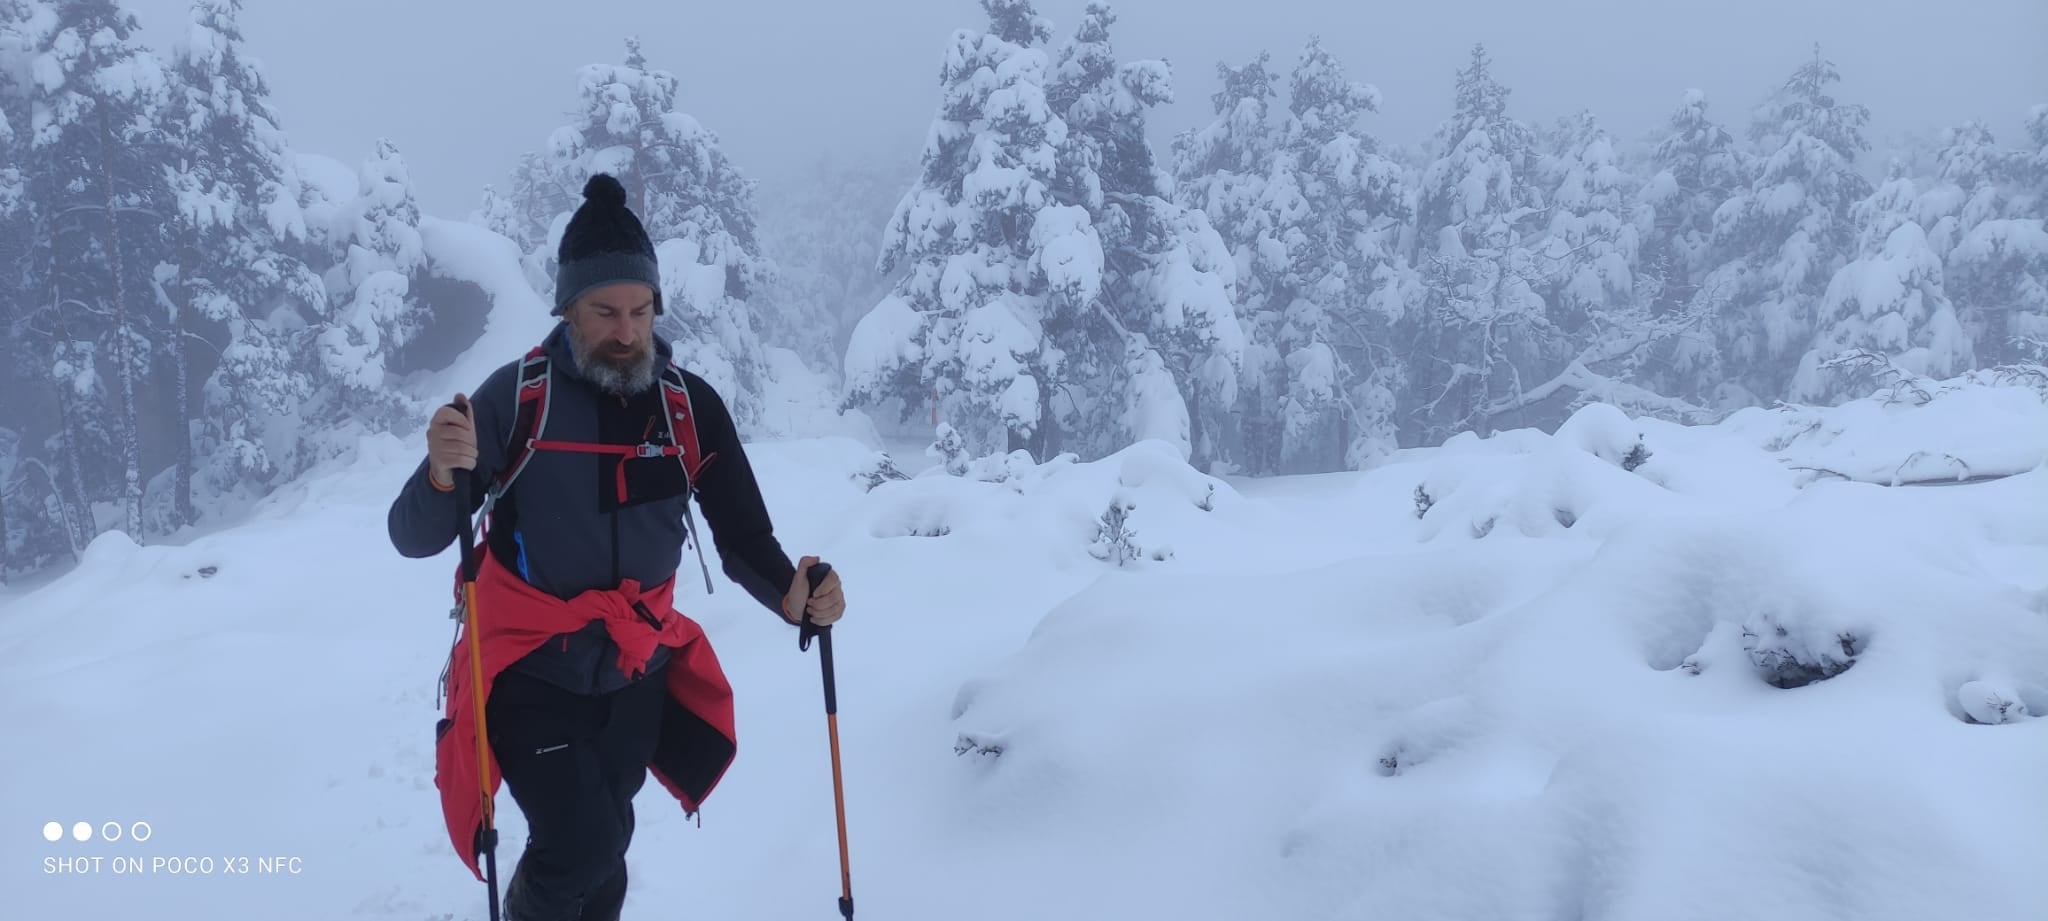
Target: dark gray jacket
{"points": [[562, 527]]}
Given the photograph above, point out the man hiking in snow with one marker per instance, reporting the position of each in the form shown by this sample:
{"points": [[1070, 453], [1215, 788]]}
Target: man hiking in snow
{"points": [[597, 443]]}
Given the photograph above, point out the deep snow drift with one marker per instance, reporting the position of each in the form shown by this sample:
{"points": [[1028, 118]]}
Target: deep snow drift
{"points": [[1629, 671]]}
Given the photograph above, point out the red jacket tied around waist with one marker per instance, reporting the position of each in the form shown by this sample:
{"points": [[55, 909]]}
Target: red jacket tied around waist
{"points": [[698, 741]]}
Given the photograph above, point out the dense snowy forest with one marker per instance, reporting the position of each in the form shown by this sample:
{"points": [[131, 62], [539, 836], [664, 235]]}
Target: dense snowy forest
{"points": [[196, 312]]}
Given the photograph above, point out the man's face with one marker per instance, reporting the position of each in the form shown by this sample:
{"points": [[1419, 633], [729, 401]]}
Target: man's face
{"points": [[611, 330]]}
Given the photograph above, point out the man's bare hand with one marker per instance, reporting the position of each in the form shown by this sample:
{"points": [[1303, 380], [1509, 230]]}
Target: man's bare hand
{"points": [[824, 607], [451, 442]]}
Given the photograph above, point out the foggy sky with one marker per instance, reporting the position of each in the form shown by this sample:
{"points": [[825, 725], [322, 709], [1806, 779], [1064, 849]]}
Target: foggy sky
{"points": [[463, 87]]}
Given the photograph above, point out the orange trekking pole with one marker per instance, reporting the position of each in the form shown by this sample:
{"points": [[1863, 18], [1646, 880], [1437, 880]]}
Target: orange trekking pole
{"points": [[817, 575], [487, 835]]}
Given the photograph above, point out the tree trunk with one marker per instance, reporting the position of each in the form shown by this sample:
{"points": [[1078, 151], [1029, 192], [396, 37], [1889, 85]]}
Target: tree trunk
{"points": [[1346, 431], [181, 364], [7, 558], [182, 490], [131, 460], [84, 525], [1047, 439], [81, 524]]}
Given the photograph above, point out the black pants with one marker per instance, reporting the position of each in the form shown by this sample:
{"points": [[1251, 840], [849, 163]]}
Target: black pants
{"points": [[573, 763]]}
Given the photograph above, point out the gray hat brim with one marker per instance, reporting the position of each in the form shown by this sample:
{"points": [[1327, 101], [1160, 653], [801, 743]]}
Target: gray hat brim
{"points": [[576, 278]]}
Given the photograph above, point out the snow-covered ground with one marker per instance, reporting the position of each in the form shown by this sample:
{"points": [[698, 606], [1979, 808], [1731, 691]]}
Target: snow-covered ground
{"points": [[1630, 671]]}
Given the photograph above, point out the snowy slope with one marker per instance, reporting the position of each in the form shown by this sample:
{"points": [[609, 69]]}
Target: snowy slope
{"points": [[1545, 697]]}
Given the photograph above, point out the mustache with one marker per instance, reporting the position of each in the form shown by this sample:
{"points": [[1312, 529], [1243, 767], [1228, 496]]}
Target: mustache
{"points": [[617, 348]]}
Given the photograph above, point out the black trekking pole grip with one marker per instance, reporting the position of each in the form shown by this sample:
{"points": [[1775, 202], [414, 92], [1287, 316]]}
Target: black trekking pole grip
{"points": [[816, 574], [462, 475], [461, 490]]}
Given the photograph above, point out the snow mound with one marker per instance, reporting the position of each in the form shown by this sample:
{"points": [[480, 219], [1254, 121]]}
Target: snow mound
{"points": [[1603, 470], [1537, 496], [1705, 712], [1127, 508], [1981, 425]]}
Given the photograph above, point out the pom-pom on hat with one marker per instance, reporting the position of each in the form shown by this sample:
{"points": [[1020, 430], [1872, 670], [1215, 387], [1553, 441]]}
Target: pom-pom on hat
{"points": [[603, 244]]}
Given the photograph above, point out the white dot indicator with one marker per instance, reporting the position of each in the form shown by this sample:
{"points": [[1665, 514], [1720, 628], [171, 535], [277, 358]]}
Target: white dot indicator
{"points": [[140, 831], [82, 831], [111, 831], [53, 831]]}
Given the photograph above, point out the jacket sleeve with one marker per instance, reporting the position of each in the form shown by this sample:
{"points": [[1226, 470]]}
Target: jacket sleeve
{"points": [[425, 519], [730, 496]]}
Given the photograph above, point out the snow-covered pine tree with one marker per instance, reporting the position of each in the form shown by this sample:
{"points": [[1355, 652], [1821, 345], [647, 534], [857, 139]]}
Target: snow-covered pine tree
{"points": [[1092, 391], [1483, 335], [2029, 166], [1593, 241], [1698, 166], [1780, 240], [1484, 165], [96, 144], [1222, 170], [530, 212], [538, 200], [500, 215], [967, 324], [1312, 212], [1994, 236], [1156, 351], [375, 312], [1885, 310], [1964, 188], [698, 210], [1602, 310], [239, 282], [505, 216], [1348, 282]]}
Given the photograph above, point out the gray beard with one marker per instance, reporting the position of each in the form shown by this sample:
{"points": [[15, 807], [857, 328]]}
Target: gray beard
{"points": [[636, 375]]}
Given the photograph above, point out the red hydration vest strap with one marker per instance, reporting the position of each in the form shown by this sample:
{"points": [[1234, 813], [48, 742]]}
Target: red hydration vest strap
{"points": [[622, 451], [530, 422]]}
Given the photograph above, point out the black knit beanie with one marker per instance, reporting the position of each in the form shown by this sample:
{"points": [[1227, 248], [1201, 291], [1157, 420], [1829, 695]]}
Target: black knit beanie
{"points": [[604, 243]]}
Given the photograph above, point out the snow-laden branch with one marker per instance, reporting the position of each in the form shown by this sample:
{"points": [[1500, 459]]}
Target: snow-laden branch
{"points": [[1578, 377], [1963, 479]]}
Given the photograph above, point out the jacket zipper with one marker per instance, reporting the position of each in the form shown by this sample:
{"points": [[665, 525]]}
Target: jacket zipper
{"points": [[615, 544], [615, 516]]}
